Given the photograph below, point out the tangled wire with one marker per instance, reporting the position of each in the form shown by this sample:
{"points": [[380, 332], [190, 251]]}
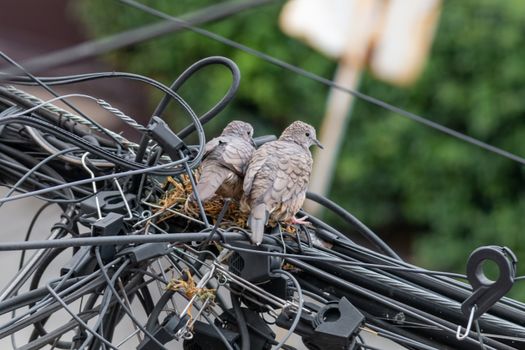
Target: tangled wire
{"points": [[137, 255]]}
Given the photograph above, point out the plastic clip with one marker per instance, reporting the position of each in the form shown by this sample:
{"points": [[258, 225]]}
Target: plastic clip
{"points": [[485, 291], [165, 137]]}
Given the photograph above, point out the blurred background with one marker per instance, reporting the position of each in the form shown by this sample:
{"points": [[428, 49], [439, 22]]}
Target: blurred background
{"points": [[434, 198]]}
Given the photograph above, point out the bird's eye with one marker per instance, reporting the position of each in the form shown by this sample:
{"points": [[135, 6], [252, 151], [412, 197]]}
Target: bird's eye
{"points": [[249, 132], [307, 134]]}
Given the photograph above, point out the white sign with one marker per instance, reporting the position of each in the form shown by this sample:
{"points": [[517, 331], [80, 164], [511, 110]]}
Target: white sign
{"points": [[393, 36]]}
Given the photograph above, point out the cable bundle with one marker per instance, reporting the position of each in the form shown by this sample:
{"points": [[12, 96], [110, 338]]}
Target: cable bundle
{"points": [[137, 255]]}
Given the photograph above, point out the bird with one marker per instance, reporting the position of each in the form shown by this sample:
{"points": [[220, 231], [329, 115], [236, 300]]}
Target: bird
{"points": [[224, 162], [277, 178]]}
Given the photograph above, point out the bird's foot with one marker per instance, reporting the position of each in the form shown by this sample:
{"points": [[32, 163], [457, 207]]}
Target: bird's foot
{"points": [[299, 221]]}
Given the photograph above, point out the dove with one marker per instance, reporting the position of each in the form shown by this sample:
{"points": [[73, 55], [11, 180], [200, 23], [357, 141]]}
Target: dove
{"points": [[277, 177], [224, 162]]}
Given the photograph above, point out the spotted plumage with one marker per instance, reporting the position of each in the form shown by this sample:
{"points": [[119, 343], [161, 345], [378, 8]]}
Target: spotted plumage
{"points": [[277, 178], [224, 162]]}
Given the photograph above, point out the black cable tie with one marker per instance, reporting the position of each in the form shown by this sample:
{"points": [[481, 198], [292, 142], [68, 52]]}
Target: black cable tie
{"points": [[145, 252], [165, 137]]}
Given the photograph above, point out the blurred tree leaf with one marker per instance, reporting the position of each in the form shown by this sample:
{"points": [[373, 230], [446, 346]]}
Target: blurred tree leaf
{"points": [[397, 176]]}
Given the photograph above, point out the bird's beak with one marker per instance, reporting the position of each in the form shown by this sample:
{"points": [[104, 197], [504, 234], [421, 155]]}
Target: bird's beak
{"points": [[253, 142], [318, 144]]}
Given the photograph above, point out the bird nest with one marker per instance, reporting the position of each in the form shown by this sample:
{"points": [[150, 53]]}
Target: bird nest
{"points": [[175, 204]]}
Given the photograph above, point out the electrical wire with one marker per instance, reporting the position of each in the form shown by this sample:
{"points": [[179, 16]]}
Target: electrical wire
{"points": [[299, 307], [48, 89], [349, 218], [377, 282], [131, 37], [34, 169], [121, 302], [151, 170], [241, 323], [219, 106], [275, 61], [79, 320], [340, 262], [93, 76]]}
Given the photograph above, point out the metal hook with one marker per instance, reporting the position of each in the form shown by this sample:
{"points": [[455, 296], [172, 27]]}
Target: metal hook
{"points": [[222, 280], [123, 198], [485, 291], [469, 325], [84, 164]]}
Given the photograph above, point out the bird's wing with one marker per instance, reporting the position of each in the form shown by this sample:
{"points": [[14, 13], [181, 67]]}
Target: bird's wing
{"points": [[211, 146], [255, 165], [289, 188], [235, 155], [212, 177]]}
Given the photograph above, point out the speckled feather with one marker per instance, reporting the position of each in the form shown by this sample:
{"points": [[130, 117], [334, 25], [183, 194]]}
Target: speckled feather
{"points": [[224, 162], [277, 178]]}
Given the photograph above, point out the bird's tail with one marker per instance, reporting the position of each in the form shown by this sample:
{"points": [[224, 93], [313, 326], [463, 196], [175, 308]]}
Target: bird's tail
{"points": [[257, 220]]}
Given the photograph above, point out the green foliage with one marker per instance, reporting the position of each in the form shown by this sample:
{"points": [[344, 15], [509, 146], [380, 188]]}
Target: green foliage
{"points": [[268, 96], [399, 177]]}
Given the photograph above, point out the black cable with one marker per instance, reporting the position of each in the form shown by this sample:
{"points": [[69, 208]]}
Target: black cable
{"points": [[35, 168], [52, 92], [241, 322], [400, 339], [299, 306], [153, 317], [121, 302], [123, 39], [175, 86], [349, 218], [82, 143], [150, 170], [167, 91], [48, 115], [145, 298], [410, 269], [405, 331], [106, 301], [132, 238], [219, 106], [30, 297], [417, 298], [46, 262], [220, 217], [506, 308], [480, 337], [79, 320], [59, 284], [27, 160], [29, 230], [77, 289], [59, 132], [333, 260], [37, 315], [37, 184], [156, 277], [446, 326], [219, 332], [138, 181], [367, 347], [37, 275], [60, 202], [328, 82]]}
